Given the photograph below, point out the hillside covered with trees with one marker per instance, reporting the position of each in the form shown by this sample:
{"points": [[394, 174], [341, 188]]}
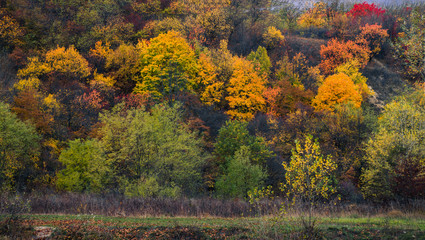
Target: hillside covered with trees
{"points": [[227, 98]]}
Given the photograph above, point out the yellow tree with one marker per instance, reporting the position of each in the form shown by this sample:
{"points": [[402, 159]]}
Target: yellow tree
{"points": [[337, 89], [206, 20], [208, 87], [273, 37], [29, 77], [10, 31], [245, 90], [68, 62], [120, 64], [309, 176], [168, 65], [314, 17], [57, 64]]}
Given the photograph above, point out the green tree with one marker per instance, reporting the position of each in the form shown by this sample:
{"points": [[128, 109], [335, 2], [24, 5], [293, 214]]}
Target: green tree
{"points": [[86, 168], [152, 153], [398, 141], [410, 45], [19, 150], [232, 136], [309, 176], [261, 61], [241, 176]]}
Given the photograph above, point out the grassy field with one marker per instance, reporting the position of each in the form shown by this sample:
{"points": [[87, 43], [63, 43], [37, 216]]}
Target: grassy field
{"points": [[101, 227]]}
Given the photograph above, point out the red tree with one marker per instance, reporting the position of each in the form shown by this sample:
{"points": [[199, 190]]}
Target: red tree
{"points": [[366, 13]]}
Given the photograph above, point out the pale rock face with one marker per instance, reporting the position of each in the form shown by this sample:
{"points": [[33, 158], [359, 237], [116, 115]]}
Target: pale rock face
{"points": [[43, 232]]}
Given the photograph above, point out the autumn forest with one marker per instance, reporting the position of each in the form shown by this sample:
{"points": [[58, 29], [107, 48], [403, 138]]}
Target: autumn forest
{"points": [[228, 99]]}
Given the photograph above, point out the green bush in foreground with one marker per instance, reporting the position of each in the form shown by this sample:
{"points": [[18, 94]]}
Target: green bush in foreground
{"points": [[19, 149], [152, 153], [86, 167], [241, 176]]}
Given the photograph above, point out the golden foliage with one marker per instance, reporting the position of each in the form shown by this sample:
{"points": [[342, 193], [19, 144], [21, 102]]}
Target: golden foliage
{"points": [[245, 91], [68, 61], [308, 174], [27, 83], [337, 89], [209, 89], [51, 102], [101, 50], [351, 69], [10, 31], [100, 79], [34, 68], [273, 37], [60, 60], [167, 65], [314, 17]]}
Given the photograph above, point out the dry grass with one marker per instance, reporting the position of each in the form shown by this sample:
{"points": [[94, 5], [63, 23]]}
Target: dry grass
{"points": [[116, 205], [310, 47]]}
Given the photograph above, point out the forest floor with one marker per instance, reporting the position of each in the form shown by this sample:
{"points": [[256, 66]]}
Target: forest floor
{"points": [[102, 227]]}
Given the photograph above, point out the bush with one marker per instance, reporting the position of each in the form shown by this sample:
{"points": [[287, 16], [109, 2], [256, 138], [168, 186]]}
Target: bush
{"points": [[86, 167], [241, 176], [12, 225]]}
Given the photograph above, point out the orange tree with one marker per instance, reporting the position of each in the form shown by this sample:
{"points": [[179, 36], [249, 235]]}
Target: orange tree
{"points": [[374, 35], [208, 87], [336, 53]]}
